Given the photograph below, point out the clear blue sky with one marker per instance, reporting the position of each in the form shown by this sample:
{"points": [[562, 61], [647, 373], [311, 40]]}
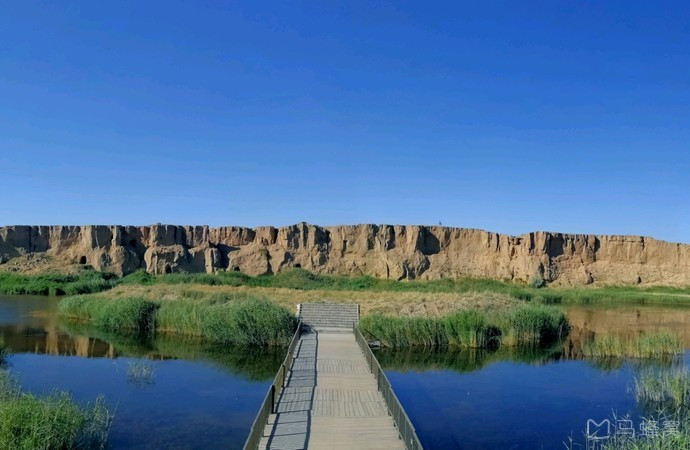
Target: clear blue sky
{"points": [[511, 116]]}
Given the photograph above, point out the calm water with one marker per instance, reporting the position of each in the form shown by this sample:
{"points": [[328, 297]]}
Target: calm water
{"points": [[197, 396], [189, 396], [528, 400]]}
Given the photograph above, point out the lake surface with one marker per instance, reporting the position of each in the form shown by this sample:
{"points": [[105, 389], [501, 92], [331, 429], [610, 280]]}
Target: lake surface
{"points": [[172, 393], [529, 399], [167, 393]]}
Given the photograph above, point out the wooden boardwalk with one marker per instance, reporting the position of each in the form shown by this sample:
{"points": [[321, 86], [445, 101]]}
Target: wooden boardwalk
{"points": [[330, 399]]}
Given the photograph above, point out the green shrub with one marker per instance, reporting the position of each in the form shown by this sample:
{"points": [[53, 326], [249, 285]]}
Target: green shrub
{"points": [[537, 281], [85, 282], [54, 422], [140, 277]]}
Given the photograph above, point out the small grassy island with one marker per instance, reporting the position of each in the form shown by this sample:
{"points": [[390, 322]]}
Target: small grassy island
{"points": [[235, 308]]}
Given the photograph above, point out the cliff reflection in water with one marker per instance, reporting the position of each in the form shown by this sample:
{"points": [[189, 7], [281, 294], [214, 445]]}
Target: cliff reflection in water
{"points": [[626, 321], [30, 325], [586, 322], [51, 341]]}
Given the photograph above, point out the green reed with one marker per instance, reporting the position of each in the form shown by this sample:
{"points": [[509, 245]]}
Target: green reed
{"points": [[664, 389], [29, 422], [521, 325], [646, 345], [227, 319]]}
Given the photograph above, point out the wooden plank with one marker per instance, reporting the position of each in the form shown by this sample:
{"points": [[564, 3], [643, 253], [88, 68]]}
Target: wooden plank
{"points": [[331, 400]]}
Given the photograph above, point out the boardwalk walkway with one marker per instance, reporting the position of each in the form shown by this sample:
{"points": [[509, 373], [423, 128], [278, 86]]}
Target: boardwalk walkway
{"points": [[330, 399]]}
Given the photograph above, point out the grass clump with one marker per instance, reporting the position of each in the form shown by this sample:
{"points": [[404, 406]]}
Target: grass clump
{"points": [[85, 282], [141, 372], [468, 329], [523, 325], [223, 319], [53, 422], [250, 322], [117, 315], [669, 390], [400, 332], [646, 345], [531, 324], [228, 319]]}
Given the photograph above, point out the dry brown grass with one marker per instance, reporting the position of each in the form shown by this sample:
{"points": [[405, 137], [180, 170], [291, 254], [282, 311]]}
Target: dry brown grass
{"points": [[40, 263], [390, 303]]}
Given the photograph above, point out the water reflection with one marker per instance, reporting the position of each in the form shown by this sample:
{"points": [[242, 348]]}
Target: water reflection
{"points": [[525, 398], [585, 322], [168, 392], [31, 325], [465, 360], [626, 321]]}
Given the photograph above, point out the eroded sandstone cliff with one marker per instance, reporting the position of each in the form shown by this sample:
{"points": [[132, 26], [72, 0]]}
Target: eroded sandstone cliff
{"points": [[387, 251]]}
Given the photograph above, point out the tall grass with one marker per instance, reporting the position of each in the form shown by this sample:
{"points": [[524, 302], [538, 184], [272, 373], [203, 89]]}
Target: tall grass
{"points": [[531, 324], [127, 314], [400, 332], [242, 320], [53, 422], [646, 345], [667, 390], [250, 322], [523, 325], [85, 282]]}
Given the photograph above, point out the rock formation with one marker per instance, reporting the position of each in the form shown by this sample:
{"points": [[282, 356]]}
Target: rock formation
{"points": [[386, 251]]}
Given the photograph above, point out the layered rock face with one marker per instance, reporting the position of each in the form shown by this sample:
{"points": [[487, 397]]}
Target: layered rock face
{"points": [[384, 251]]}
